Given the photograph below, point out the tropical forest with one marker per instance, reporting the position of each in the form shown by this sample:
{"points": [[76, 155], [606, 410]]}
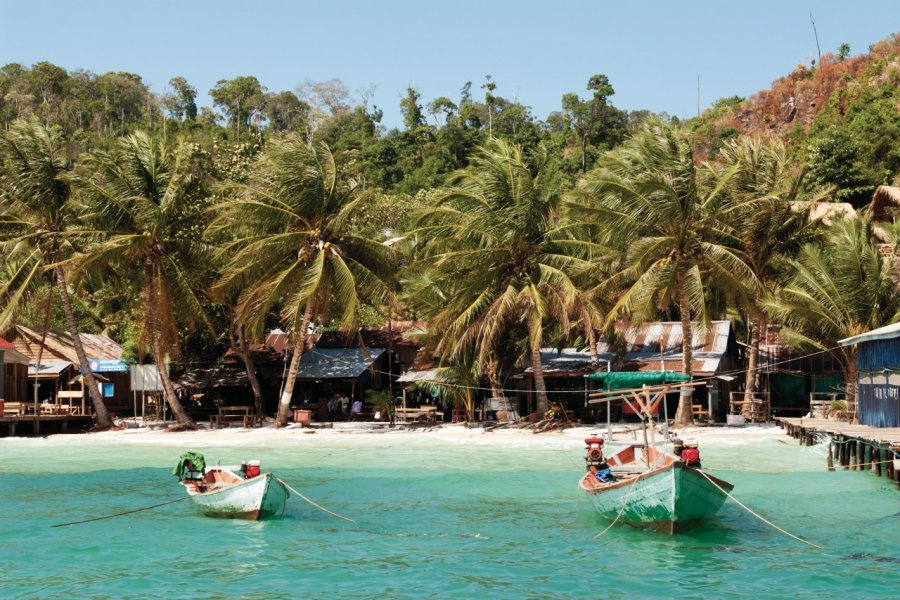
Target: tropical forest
{"points": [[184, 232]]}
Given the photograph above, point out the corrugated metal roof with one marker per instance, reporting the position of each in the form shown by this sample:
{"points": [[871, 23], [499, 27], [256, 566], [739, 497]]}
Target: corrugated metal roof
{"points": [[49, 369], [60, 345], [882, 333], [337, 363], [431, 375], [657, 346], [213, 378], [654, 346]]}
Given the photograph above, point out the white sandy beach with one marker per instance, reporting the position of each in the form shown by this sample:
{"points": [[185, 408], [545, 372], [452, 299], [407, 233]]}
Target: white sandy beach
{"points": [[442, 434]]}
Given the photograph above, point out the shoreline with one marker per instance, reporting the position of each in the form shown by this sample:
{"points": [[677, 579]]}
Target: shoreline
{"points": [[445, 434]]}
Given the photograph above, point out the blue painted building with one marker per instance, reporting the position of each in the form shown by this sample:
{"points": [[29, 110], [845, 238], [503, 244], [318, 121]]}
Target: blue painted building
{"points": [[878, 376]]}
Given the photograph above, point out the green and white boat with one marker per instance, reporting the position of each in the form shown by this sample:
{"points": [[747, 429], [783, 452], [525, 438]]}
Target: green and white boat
{"points": [[645, 487]]}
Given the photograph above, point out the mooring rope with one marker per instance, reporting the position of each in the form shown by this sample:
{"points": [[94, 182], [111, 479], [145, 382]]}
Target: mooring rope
{"points": [[621, 510], [127, 512], [322, 508], [761, 518]]}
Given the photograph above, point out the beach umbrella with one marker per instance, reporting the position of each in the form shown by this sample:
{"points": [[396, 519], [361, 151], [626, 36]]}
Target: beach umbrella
{"points": [[80, 378]]}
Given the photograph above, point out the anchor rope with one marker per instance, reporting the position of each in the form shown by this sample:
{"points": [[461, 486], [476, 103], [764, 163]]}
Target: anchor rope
{"points": [[761, 518], [322, 508], [127, 512]]}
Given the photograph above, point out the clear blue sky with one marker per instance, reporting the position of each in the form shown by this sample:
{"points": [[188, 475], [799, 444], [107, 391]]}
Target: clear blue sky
{"points": [[652, 51]]}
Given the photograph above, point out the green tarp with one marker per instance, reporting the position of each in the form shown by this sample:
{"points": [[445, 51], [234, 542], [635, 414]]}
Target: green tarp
{"points": [[626, 380], [196, 460]]}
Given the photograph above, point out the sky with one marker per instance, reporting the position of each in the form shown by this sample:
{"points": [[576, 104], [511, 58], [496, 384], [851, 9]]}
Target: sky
{"points": [[653, 51]]}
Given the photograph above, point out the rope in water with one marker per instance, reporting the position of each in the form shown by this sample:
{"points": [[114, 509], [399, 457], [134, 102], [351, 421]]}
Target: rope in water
{"points": [[761, 518], [322, 508], [127, 512], [621, 510]]}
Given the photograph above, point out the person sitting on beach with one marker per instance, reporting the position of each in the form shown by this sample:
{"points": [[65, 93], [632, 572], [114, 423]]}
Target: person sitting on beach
{"points": [[356, 409]]}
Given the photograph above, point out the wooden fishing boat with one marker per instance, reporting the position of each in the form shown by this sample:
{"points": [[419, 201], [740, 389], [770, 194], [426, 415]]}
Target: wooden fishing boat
{"points": [[231, 492], [642, 486]]}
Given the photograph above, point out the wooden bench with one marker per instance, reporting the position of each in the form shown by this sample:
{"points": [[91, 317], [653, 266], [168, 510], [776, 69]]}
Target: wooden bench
{"points": [[699, 412], [13, 408]]}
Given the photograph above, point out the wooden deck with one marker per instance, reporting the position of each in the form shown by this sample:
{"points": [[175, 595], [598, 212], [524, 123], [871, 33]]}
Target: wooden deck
{"points": [[21, 425], [877, 435], [854, 447]]}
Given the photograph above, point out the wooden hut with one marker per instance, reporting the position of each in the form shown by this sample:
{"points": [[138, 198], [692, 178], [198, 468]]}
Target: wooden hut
{"points": [[58, 368], [13, 374], [878, 376]]}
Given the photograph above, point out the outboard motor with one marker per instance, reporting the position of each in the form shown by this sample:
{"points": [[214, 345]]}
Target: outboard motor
{"points": [[594, 447], [596, 464], [250, 469]]}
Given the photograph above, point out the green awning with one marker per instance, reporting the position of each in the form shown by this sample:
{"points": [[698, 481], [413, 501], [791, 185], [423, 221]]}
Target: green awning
{"points": [[620, 380]]}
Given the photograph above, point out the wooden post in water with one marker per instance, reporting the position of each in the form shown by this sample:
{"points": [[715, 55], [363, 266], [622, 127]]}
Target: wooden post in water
{"points": [[830, 457], [878, 461], [851, 449]]}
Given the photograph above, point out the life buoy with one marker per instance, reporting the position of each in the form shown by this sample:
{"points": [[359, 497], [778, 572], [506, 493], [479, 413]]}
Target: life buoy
{"points": [[595, 454]]}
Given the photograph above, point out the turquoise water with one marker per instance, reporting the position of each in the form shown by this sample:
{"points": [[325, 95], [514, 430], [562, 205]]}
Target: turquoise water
{"points": [[435, 518]]}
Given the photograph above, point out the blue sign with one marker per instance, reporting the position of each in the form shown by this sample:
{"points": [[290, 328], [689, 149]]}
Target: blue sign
{"points": [[106, 365], [109, 390]]}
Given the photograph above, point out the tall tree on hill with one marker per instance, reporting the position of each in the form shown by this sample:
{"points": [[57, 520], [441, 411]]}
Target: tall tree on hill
{"points": [[37, 217], [238, 97], [841, 288], [293, 245], [141, 199], [587, 116], [649, 198], [490, 251]]}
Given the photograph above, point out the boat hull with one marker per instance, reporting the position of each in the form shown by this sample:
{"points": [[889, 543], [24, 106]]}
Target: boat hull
{"points": [[671, 499], [257, 498]]}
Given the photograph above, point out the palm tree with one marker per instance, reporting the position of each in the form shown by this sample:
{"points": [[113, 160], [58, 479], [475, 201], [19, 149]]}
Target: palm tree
{"points": [[666, 214], [140, 199], [769, 229], [841, 288], [292, 246], [38, 222], [490, 250]]}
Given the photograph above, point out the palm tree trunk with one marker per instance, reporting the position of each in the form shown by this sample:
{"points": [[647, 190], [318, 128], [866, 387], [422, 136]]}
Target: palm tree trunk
{"points": [[182, 419], [243, 349], [540, 387], [591, 337], [284, 404], [493, 368], [752, 366], [103, 419], [684, 415]]}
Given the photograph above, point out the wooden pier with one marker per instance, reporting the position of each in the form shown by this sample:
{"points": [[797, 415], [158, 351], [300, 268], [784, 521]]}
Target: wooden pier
{"points": [[20, 425], [854, 447]]}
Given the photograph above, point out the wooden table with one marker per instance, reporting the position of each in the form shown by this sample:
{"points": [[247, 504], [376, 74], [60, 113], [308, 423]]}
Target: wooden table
{"points": [[425, 413], [227, 414]]}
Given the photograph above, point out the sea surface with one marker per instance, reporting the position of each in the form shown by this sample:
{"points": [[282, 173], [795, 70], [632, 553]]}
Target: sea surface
{"points": [[434, 518]]}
